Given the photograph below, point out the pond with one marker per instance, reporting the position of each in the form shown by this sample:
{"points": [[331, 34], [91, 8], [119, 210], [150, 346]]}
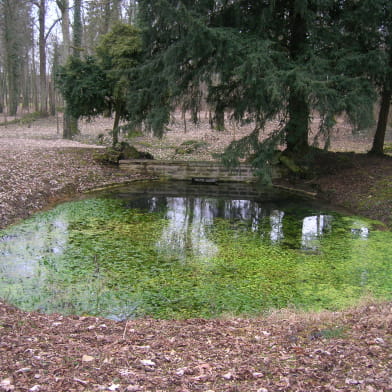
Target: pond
{"points": [[183, 250]]}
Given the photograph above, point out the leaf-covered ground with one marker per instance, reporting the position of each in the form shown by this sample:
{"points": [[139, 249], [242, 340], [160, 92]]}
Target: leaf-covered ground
{"points": [[349, 351], [285, 351]]}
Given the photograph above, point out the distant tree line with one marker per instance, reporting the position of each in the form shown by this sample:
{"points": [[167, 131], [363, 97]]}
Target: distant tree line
{"points": [[36, 36]]}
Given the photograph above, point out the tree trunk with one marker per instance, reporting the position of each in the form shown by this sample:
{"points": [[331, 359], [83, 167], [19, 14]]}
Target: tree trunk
{"points": [[298, 107], [297, 127], [26, 87], [42, 59], [70, 123], [132, 11], [52, 98], [12, 53], [63, 6], [34, 82], [379, 137], [219, 119], [70, 126], [115, 127], [106, 17], [77, 29], [2, 91]]}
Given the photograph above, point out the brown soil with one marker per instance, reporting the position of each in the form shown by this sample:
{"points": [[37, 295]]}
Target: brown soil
{"points": [[285, 351]]}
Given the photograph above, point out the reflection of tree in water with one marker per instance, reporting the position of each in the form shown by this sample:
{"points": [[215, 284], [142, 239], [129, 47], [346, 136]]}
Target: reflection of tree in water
{"points": [[313, 228], [189, 220], [276, 219], [185, 233]]}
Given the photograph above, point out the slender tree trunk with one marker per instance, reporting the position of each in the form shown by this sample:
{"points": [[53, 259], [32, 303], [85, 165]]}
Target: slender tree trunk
{"points": [[106, 16], [12, 54], [63, 6], [132, 11], [26, 86], [34, 82], [382, 123], [77, 29], [116, 11], [115, 127], [52, 98], [42, 59], [2, 91]]}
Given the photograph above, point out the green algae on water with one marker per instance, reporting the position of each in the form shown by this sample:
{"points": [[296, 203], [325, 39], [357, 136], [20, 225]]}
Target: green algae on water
{"points": [[180, 257]]}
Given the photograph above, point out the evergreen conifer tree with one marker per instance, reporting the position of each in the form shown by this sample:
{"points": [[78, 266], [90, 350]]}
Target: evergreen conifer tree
{"points": [[260, 60]]}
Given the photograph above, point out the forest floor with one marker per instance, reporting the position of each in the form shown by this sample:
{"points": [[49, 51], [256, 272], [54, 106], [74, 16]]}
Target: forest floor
{"points": [[284, 351]]}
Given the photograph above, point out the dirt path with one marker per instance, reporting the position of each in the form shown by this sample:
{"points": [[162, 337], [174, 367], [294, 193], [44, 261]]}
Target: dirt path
{"points": [[286, 351]]}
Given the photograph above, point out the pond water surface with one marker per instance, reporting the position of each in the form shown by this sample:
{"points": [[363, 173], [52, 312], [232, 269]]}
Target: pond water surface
{"points": [[192, 251]]}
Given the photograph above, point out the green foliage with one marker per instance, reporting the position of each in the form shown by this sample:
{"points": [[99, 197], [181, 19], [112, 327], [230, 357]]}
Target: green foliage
{"points": [[119, 52], [257, 61], [85, 87], [97, 85]]}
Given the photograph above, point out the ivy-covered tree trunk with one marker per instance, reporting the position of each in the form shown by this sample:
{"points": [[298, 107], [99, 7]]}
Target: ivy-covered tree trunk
{"points": [[70, 125], [77, 29], [70, 122]]}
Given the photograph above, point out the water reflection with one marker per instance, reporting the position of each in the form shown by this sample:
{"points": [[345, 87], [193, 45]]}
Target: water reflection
{"points": [[189, 220], [185, 233], [23, 254], [313, 228], [276, 220], [99, 256]]}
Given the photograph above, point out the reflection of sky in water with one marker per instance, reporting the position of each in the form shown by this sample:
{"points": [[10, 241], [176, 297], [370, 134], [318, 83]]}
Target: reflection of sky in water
{"points": [[276, 221], [21, 254], [313, 227], [188, 220], [186, 229], [186, 234], [359, 230]]}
